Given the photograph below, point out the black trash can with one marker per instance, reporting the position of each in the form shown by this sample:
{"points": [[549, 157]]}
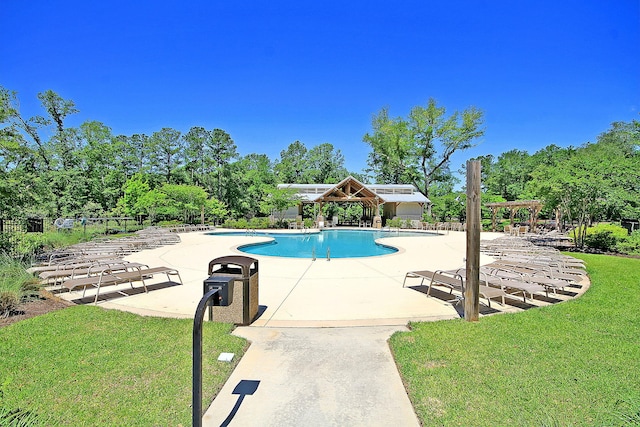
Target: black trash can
{"points": [[243, 308]]}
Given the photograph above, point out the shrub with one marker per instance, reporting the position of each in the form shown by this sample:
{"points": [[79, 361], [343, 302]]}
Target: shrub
{"points": [[241, 223], [16, 285], [630, 244], [604, 237], [394, 223], [259, 223], [8, 303]]}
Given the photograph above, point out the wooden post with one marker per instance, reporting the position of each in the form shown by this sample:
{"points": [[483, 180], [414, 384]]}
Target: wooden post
{"points": [[472, 288], [494, 213]]}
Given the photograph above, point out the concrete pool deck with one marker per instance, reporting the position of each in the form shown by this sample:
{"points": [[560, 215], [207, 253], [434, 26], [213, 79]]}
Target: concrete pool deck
{"points": [[304, 293], [319, 354]]}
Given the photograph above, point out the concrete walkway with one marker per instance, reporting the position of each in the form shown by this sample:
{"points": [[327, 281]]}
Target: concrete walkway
{"points": [[319, 354], [314, 377]]}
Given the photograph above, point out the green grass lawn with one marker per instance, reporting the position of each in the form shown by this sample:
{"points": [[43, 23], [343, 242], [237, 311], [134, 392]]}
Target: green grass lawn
{"points": [[85, 365], [572, 364]]}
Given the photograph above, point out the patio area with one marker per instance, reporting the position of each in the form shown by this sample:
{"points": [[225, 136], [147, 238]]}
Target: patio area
{"points": [[305, 293]]}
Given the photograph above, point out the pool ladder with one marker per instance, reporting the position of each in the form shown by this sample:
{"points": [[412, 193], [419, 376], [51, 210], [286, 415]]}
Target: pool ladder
{"points": [[313, 254]]}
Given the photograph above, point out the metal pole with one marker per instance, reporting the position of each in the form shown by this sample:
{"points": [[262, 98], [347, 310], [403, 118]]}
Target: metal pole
{"points": [[472, 288], [196, 403]]}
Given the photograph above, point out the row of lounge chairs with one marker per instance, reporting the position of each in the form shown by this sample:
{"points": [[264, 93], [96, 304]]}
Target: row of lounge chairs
{"points": [[116, 274], [444, 226], [188, 228], [454, 280], [98, 274], [520, 270], [96, 264], [151, 237]]}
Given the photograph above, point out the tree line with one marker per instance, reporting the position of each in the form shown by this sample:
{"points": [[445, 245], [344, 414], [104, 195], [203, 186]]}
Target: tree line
{"points": [[50, 169], [598, 181]]}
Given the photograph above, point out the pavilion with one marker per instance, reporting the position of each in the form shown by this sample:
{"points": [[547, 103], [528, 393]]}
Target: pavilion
{"points": [[396, 200]]}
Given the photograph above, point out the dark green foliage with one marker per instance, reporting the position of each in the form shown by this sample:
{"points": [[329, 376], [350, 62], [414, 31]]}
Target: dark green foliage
{"points": [[16, 285], [630, 245], [605, 237]]}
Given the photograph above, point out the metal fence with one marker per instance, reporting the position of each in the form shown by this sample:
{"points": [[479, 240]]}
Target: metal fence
{"points": [[11, 229], [23, 225]]}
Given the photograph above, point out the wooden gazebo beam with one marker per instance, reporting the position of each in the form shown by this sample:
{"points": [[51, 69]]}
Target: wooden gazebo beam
{"points": [[534, 206]]}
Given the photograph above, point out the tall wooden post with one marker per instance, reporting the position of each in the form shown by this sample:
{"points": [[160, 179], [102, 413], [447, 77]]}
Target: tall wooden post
{"points": [[472, 288]]}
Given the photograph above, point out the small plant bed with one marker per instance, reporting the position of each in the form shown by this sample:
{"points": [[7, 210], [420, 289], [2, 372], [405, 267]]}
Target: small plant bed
{"points": [[46, 303], [574, 363], [86, 365]]}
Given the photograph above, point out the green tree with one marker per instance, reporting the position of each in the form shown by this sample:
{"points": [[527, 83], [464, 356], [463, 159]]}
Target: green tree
{"points": [[292, 165], [134, 191], [153, 202], [258, 180], [418, 149], [577, 186], [325, 165], [391, 149], [185, 201], [622, 143], [196, 154], [277, 202], [216, 209], [54, 159], [222, 150], [102, 163], [510, 174], [166, 153], [138, 152]]}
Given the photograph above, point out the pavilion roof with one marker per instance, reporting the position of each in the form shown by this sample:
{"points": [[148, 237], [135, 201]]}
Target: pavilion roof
{"points": [[352, 190]]}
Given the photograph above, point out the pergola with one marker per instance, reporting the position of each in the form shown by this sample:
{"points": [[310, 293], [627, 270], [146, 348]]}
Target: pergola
{"points": [[534, 207]]}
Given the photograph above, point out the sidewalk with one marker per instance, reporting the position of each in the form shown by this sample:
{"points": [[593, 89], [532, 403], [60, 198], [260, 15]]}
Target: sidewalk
{"points": [[314, 377]]}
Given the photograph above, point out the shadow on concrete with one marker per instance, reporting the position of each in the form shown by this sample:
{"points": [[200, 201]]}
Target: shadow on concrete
{"points": [[455, 299], [109, 296], [244, 388]]}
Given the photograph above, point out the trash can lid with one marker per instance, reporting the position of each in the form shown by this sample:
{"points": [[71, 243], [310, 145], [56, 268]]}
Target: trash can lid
{"points": [[234, 259], [244, 262]]}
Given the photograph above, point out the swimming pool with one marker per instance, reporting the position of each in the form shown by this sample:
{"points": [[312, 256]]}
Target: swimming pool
{"points": [[332, 243]]}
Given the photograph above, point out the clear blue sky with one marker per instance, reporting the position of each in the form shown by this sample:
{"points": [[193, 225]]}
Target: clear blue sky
{"points": [[272, 72]]}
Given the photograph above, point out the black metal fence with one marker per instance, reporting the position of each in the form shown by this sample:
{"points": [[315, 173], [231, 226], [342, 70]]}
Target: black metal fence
{"points": [[23, 225], [11, 229]]}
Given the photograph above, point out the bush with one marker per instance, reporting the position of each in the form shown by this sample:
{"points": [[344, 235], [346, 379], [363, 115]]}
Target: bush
{"points": [[394, 223], [604, 237], [258, 223], [630, 245], [24, 246], [16, 285], [241, 223], [8, 303]]}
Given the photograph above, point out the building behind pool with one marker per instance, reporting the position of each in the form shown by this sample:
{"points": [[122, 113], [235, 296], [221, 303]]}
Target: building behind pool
{"points": [[379, 201]]}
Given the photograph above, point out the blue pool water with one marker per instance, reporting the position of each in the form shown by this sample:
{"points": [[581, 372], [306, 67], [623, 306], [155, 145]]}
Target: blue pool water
{"points": [[339, 243]]}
